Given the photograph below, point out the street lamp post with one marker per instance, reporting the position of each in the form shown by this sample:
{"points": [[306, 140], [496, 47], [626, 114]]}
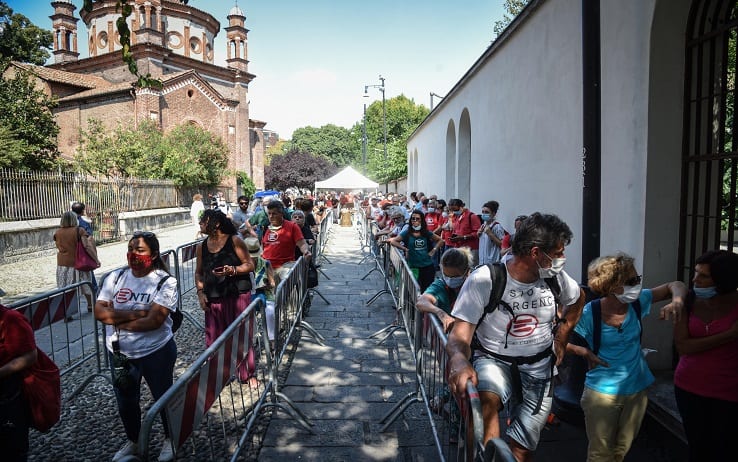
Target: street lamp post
{"points": [[363, 136], [380, 87], [431, 98]]}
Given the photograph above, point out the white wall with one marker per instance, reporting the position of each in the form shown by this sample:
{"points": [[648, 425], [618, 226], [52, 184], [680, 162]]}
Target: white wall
{"points": [[525, 107]]}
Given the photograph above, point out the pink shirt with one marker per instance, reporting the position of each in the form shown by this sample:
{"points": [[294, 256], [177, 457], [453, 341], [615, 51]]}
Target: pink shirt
{"points": [[712, 373]]}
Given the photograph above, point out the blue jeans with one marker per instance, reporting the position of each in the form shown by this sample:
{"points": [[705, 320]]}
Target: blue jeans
{"points": [[158, 370]]}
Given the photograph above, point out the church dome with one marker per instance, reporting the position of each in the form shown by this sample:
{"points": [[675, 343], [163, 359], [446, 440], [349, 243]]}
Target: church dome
{"points": [[236, 11]]}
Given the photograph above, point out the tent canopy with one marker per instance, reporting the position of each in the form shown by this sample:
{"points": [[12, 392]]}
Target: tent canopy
{"points": [[348, 178]]}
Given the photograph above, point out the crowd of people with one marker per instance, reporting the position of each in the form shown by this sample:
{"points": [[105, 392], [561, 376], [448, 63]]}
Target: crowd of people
{"points": [[507, 304], [508, 339]]}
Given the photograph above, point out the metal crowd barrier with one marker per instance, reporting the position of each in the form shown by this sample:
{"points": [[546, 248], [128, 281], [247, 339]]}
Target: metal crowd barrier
{"points": [[70, 341], [288, 311], [326, 228], [210, 414], [457, 427], [207, 393], [185, 264]]}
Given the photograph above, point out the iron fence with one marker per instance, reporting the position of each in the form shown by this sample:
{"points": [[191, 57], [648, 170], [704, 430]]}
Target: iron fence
{"points": [[29, 195]]}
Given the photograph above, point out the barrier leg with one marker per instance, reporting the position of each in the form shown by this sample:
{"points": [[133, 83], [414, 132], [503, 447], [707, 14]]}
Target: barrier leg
{"points": [[317, 292]]}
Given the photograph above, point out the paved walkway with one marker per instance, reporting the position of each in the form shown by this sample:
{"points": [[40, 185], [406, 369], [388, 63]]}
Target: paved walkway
{"points": [[348, 385]]}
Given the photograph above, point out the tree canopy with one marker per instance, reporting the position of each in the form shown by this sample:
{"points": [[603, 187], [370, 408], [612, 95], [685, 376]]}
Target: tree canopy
{"points": [[403, 117], [512, 9], [330, 141], [297, 169], [28, 127], [21, 40], [188, 155]]}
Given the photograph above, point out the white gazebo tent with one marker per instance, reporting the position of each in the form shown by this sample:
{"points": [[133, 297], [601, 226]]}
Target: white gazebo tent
{"points": [[347, 179]]}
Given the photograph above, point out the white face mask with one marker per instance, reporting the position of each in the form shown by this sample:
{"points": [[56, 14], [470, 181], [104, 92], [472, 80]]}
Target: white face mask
{"points": [[557, 264], [444, 215], [431, 209], [416, 227], [630, 294]]}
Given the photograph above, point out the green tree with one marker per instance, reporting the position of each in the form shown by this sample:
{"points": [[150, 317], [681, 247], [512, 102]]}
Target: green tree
{"points": [[194, 156], [403, 117], [122, 152], [11, 148], [188, 155], [25, 115], [21, 40], [248, 188], [512, 9], [330, 141]]}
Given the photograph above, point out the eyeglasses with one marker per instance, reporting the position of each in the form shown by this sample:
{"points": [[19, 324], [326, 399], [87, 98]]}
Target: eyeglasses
{"points": [[521, 217], [415, 219], [145, 234], [634, 281], [243, 203]]}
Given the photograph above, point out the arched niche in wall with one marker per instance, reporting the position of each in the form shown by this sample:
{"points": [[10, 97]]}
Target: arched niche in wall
{"points": [[450, 161], [463, 169]]}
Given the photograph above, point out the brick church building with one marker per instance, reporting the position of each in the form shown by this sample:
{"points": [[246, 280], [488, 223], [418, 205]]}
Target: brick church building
{"points": [[174, 43]]}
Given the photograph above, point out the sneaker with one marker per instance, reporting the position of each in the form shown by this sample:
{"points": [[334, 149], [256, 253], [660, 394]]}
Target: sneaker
{"points": [[128, 449], [167, 451]]}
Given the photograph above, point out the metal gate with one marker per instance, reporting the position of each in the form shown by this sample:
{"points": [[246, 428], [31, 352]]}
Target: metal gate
{"points": [[709, 154]]}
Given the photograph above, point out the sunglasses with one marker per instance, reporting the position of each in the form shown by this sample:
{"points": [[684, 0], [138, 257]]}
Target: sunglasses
{"points": [[243, 203], [415, 219], [145, 234], [634, 281]]}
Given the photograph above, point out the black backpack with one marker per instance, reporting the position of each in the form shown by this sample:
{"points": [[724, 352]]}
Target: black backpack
{"points": [[177, 316], [597, 322]]}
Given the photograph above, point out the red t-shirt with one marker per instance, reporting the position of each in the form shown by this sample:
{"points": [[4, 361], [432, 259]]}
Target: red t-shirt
{"points": [[279, 245], [16, 335], [433, 220], [467, 224]]}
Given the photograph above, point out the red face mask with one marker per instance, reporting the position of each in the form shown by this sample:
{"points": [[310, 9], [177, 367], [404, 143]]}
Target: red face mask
{"points": [[139, 262]]}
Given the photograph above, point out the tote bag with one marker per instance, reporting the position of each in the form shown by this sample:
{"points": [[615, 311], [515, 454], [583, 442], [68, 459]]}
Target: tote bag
{"points": [[83, 260], [42, 390]]}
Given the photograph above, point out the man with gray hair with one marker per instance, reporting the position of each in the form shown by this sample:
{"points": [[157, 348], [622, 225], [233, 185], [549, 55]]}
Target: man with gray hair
{"points": [[516, 335]]}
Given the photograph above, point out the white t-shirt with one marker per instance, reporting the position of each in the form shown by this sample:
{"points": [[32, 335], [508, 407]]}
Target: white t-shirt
{"points": [[132, 293], [534, 308]]}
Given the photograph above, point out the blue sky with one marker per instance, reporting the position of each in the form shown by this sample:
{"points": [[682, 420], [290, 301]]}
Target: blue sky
{"points": [[313, 58]]}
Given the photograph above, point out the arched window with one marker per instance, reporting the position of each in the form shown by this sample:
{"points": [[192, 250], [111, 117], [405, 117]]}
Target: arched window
{"points": [[709, 204], [450, 161], [464, 170]]}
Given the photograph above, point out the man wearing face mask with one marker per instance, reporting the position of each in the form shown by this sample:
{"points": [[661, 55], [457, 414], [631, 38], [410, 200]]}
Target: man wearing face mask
{"points": [[514, 347], [614, 399]]}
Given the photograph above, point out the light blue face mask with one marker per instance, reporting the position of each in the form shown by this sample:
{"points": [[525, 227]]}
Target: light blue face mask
{"points": [[486, 216], [453, 282], [705, 292]]}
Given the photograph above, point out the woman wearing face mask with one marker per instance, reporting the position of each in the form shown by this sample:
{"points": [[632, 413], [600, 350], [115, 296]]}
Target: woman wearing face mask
{"points": [[614, 399], [135, 304], [416, 242], [440, 296], [223, 282], [706, 378]]}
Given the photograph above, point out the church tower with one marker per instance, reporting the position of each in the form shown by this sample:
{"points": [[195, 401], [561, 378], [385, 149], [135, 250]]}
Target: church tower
{"points": [[236, 36], [65, 31]]}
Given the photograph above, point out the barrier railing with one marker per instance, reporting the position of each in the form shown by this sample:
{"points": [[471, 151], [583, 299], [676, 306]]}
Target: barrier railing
{"points": [[70, 341], [199, 392], [453, 423], [207, 406], [185, 264]]}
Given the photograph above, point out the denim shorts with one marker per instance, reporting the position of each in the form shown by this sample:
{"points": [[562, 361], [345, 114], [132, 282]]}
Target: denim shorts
{"points": [[528, 418]]}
